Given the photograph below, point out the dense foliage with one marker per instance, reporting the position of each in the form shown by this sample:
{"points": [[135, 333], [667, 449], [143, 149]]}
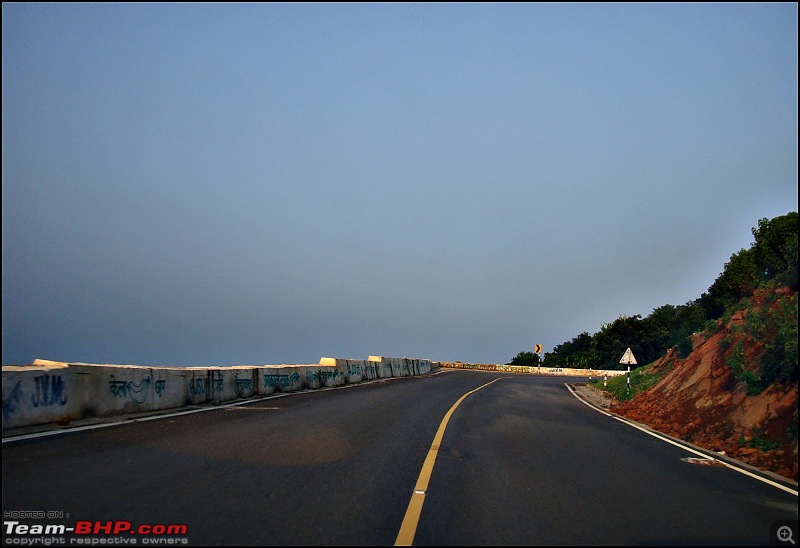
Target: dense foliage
{"points": [[772, 332], [525, 358], [771, 260]]}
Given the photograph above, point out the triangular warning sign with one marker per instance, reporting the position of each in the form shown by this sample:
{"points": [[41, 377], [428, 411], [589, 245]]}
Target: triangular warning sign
{"points": [[627, 358]]}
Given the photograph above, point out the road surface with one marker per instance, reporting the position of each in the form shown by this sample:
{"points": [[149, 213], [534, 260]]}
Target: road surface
{"points": [[522, 461]]}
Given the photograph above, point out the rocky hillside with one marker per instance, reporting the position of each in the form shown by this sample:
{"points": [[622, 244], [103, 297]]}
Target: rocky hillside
{"points": [[725, 395]]}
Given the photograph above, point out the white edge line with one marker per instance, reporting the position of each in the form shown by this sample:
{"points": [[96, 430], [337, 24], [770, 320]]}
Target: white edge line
{"points": [[676, 444], [133, 420], [586, 402]]}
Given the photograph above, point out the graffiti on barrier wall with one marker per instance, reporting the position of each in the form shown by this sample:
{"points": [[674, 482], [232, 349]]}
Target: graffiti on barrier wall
{"points": [[325, 377], [331, 375], [49, 390], [281, 381], [515, 368], [243, 387], [136, 391], [197, 387], [478, 366], [11, 403]]}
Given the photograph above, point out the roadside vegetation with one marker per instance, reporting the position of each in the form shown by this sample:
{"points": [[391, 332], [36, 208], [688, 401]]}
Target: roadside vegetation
{"points": [[768, 265], [772, 330], [641, 379]]}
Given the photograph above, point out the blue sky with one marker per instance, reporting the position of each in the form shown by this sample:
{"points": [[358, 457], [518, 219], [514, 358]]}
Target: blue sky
{"points": [[222, 184]]}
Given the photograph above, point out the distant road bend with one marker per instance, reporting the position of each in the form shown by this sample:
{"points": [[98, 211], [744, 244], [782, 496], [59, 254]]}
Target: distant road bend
{"points": [[518, 461]]}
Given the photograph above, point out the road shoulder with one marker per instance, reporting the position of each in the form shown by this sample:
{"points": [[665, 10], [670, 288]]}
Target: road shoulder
{"points": [[600, 401]]}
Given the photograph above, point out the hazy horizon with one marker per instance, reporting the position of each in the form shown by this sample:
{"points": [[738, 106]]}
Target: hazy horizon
{"points": [[245, 184]]}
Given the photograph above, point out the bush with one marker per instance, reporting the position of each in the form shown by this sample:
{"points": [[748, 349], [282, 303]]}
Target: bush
{"points": [[685, 347]]}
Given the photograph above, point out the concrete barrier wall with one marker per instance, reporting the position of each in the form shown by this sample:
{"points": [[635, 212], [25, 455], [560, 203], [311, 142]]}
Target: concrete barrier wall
{"points": [[352, 371], [356, 371], [39, 394], [282, 378], [199, 385], [48, 391], [119, 389], [381, 368], [541, 370], [232, 383]]}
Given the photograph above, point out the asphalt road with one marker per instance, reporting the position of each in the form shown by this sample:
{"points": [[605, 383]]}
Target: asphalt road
{"points": [[522, 462]]}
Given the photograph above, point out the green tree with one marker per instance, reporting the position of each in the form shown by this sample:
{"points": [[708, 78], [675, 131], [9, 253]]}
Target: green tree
{"points": [[775, 248], [739, 278], [773, 256], [690, 318], [610, 343], [576, 353], [525, 358]]}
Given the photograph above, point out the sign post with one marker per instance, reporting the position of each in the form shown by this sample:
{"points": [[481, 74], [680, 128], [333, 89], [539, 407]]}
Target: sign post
{"points": [[629, 379], [628, 359]]}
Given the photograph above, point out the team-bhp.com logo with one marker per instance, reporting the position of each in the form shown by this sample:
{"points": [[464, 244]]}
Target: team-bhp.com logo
{"points": [[86, 532]]}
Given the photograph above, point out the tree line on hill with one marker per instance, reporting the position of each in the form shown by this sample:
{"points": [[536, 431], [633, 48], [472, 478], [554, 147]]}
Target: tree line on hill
{"points": [[770, 261]]}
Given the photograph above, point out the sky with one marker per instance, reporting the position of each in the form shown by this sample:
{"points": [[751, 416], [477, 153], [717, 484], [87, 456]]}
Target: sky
{"points": [[247, 184]]}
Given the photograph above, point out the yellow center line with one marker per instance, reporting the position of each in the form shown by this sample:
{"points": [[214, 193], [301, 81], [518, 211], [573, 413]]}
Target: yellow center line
{"points": [[409, 527]]}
